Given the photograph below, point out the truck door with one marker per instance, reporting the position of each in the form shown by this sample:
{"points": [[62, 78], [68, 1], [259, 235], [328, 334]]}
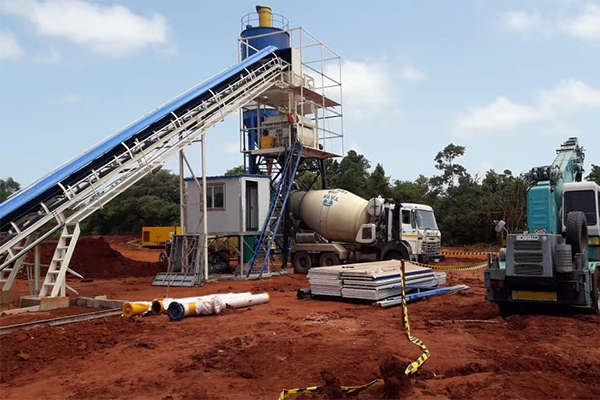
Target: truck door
{"points": [[409, 229]]}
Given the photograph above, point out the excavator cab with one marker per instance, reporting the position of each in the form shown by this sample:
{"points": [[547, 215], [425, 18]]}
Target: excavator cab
{"points": [[584, 197]]}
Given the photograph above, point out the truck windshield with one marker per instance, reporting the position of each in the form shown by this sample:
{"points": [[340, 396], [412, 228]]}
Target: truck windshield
{"points": [[582, 200], [426, 220]]}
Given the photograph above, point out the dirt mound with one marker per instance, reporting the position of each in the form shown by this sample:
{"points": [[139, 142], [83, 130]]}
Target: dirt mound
{"points": [[395, 380], [94, 258]]}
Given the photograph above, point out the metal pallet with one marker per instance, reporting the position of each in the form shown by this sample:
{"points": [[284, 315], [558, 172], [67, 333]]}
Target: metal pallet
{"points": [[184, 262], [176, 279]]}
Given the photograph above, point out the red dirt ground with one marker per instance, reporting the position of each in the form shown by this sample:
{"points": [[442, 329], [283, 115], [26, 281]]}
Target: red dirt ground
{"points": [[253, 353]]}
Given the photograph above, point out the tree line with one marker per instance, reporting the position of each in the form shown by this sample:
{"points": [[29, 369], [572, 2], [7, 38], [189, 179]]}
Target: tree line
{"points": [[465, 205]]}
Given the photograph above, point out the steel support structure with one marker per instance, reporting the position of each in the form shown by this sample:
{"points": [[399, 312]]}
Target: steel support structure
{"points": [[99, 186]]}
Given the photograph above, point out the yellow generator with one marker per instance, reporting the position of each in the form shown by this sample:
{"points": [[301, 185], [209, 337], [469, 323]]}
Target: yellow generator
{"points": [[157, 236]]}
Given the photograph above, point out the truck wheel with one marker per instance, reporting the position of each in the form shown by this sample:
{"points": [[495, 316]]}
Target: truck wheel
{"points": [[577, 232], [596, 291], [394, 255], [163, 257], [301, 262], [507, 309], [329, 259]]}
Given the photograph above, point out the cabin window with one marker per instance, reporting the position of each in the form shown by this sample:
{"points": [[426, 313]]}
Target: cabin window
{"points": [[215, 196], [406, 217], [581, 200]]}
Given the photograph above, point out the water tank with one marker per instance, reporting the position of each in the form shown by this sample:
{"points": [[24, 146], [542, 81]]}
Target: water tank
{"points": [[335, 214], [264, 22]]}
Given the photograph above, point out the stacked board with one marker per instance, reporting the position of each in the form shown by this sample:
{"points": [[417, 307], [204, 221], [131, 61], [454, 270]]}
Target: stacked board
{"points": [[369, 281]]}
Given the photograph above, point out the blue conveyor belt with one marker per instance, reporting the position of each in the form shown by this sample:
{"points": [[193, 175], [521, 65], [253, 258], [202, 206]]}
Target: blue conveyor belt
{"points": [[23, 201]]}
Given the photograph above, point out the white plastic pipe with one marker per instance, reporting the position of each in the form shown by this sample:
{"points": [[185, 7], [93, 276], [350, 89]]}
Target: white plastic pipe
{"points": [[247, 301], [163, 304], [213, 304]]}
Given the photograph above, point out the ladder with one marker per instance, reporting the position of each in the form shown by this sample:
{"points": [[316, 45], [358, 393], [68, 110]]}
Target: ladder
{"points": [[277, 210], [55, 282]]}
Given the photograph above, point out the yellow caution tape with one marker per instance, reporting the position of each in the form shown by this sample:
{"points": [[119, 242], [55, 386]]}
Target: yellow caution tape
{"points": [[413, 366], [467, 253], [452, 267], [411, 369]]}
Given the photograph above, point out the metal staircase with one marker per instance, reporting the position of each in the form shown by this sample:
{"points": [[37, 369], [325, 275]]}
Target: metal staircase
{"points": [[55, 282], [98, 186], [263, 246]]}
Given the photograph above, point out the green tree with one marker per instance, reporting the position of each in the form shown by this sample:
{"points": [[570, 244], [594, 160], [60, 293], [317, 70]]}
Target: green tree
{"points": [[308, 180], [353, 174], [459, 213], [413, 192], [239, 170], [332, 168], [594, 175], [153, 201], [505, 199], [378, 184], [8, 186], [445, 163]]}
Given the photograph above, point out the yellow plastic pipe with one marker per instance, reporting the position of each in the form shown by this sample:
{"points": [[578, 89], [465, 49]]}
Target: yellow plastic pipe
{"points": [[135, 308], [265, 16]]}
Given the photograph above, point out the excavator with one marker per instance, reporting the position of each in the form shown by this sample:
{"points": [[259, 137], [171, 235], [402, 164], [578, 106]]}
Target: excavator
{"points": [[557, 260]]}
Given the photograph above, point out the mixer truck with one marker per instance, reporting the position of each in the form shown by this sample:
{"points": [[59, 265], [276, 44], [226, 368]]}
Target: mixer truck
{"points": [[557, 260], [336, 226]]}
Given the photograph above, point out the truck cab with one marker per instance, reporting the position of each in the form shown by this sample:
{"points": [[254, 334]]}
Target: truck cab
{"points": [[420, 232]]}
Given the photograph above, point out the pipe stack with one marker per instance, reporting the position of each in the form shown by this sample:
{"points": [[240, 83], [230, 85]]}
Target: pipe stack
{"points": [[177, 309]]}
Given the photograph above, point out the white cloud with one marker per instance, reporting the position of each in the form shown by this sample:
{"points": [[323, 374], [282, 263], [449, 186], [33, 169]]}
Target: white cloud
{"points": [[504, 115], [106, 30], [368, 87], [521, 22], [10, 49], [72, 99], [233, 148], [412, 74], [586, 26], [569, 95], [583, 26]]}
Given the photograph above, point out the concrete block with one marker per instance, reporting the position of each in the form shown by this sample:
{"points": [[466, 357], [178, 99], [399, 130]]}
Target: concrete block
{"points": [[99, 302], [45, 303]]}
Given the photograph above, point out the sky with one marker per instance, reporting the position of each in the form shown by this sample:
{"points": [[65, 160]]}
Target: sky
{"points": [[509, 80]]}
